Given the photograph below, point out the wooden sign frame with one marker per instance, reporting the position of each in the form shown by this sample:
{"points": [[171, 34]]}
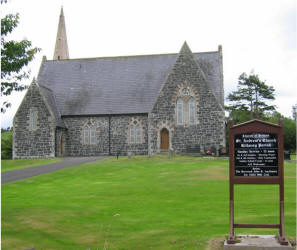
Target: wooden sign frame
{"points": [[256, 128]]}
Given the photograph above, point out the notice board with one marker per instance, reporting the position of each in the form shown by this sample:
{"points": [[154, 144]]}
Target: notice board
{"points": [[256, 157]]}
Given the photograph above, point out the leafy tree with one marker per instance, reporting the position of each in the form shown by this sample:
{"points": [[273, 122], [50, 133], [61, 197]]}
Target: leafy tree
{"points": [[250, 97], [15, 56], [239, 116], [289, 132]]}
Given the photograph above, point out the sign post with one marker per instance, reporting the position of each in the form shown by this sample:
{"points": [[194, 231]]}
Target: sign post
{"points": [[256, 157]]}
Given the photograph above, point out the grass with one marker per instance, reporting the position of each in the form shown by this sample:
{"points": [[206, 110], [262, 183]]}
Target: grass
{"points": [[9, 165], [138, 203]]}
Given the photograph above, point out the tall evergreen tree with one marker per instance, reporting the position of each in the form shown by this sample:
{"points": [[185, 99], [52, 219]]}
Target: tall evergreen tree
{"points": [[251, 95], [15, 56]]}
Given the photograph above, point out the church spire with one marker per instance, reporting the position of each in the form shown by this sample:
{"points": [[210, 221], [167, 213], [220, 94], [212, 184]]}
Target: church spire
{"points": [[61, 48]]}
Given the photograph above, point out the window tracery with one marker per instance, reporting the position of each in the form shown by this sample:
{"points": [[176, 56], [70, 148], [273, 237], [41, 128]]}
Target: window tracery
{"points": [[135, 132], [89, 134], [186, 105]]}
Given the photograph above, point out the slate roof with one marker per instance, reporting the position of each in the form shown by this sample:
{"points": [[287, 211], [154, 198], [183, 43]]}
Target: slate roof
{"points": [[116, 85], [50, 98]]}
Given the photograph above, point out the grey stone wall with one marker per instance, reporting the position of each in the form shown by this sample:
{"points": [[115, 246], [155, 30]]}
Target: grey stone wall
{"points": [[112, 132], [120, 135], [209, 127], [74, 136], [28, 142], [118, 131]]}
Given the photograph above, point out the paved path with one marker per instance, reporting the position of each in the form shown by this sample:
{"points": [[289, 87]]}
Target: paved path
{"points": [[24, 173]]}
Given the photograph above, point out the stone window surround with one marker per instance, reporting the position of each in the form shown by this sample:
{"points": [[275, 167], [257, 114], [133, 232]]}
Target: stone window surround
{"points": [[164, 124], [133, 123], [90, 126], [180, 94]]}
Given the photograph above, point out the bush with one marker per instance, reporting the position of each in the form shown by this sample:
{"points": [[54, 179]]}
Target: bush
{"points": [[6, 145], [289, 129]]}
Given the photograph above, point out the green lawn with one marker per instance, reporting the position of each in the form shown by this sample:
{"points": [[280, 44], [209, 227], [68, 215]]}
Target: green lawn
{"points": [[9, 165], [138, 203]]}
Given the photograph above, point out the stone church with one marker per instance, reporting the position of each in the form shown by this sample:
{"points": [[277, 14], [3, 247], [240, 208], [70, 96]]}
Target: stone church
{"points": [[121, 105]]}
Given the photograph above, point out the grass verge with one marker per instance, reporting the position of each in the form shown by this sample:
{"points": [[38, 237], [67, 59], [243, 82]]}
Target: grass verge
{"points": [[138, 203]]}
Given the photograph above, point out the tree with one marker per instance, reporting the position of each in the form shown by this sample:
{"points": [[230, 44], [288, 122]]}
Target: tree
{"points": [[294, 112], [6, 145], [289, 131], [15, 56], [250, 96], [289, 134]]}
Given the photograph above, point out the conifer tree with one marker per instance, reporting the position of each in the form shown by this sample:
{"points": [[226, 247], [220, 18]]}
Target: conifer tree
{"points": [[251, 96]]}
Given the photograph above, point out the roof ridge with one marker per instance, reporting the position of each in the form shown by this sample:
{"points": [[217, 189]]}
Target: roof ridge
{"points": [[129, 56], [40, 85]]}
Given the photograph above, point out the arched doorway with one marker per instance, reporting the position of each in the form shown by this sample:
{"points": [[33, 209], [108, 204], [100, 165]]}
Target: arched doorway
{"points": [[164, 136]]}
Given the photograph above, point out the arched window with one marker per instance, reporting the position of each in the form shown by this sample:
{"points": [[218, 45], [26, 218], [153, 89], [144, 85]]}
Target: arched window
{"points": [[92, 136], [89, 135], [135, 134], [179, 111], [33, 119], [191, 111], [186, 105], [132, 133]]}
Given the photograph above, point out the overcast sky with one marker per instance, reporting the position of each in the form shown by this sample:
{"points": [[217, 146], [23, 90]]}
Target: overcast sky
{"points": [[257, 35]]}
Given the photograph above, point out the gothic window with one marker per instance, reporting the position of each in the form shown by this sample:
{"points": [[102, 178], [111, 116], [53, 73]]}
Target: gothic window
{"points": [[33, 119], [132, 134], [135, 134], [179, 112], [89, 135], [92, 136], [86, 135], [191, 111], [186, 91], [186, 106]]}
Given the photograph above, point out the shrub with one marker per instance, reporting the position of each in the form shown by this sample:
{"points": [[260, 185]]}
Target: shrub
{"points": [[6, 145]]}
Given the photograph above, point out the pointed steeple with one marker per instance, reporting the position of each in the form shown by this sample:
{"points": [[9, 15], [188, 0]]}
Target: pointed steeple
{"points": [[61, 48]]}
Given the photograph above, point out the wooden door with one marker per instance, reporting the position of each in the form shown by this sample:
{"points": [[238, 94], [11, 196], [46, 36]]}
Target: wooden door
{"points": [[61, 145], [164, 139]]}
